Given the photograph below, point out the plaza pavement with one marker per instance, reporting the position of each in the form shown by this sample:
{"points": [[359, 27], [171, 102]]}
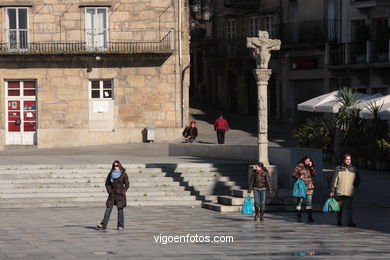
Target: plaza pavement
{"points": [[70, 233]]}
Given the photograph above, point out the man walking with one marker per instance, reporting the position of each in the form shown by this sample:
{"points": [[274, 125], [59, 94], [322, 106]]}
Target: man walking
{"points": [[221, 126], [345, 180]]}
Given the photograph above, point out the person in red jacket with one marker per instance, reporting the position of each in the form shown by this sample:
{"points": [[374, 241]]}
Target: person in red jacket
{"points": [[221, 126]]}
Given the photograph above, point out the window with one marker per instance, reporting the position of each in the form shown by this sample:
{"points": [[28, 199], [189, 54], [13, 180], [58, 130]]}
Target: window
{"points": [[268, 24], [96, 21], [21, 88], [101, 89], [254, 26], [231, 36], [231, 29], [17, 28], [264, 23]]}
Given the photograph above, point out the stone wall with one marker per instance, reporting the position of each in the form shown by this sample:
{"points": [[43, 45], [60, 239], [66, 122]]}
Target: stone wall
{"points": [[147, 88]]}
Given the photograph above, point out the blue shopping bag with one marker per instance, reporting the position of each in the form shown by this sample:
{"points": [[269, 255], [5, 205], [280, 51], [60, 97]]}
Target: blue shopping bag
{"points": [[247, 207], [299, 189], [325, 208]]}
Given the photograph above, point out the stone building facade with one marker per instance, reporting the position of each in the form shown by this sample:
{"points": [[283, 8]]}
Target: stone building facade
{"points": [[75, 72]]}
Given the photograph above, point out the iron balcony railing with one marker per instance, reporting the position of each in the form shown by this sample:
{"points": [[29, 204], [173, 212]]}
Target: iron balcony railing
{"points": [[374, 51], [309, 32], [45, 42]]}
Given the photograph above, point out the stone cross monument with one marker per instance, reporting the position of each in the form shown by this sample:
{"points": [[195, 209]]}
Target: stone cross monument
{"points": [[261, 47]]}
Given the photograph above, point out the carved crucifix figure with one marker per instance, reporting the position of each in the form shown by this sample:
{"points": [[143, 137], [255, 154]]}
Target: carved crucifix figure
{"points": [[261, 47]]}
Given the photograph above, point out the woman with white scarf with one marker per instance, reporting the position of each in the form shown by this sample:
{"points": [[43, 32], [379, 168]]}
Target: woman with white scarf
{"points": [[117, 183]]}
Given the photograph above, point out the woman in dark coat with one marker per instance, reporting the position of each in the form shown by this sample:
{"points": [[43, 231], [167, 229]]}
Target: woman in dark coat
{"points": [[259, 182], [117, 183]]}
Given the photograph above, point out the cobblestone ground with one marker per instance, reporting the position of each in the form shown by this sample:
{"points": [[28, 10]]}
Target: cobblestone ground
{"points": [[70, 233]]}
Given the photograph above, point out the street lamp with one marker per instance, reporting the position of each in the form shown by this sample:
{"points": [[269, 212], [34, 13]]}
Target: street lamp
{"points": [[199, 15]]}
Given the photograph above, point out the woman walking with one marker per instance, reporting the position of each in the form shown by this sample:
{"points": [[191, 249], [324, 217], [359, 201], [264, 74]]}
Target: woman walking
{"points": [[117, 183], [259, 182], [305, 170]]}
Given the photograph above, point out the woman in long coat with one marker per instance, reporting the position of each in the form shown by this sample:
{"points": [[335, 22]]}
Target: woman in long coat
{"points": [[117, 183]]}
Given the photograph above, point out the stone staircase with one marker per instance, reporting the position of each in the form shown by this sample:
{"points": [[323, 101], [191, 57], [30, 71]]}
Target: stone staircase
{"points": [[280, 201], [150, 184]]}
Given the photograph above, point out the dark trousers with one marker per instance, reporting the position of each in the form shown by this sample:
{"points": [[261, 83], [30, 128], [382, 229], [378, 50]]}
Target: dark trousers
{"points": [[221, 136], [347, 202], [107, 214]]}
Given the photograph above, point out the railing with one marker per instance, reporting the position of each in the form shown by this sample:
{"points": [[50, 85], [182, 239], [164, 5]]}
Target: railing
{"points": [[141, 43], [358, 52], [309, 32]]}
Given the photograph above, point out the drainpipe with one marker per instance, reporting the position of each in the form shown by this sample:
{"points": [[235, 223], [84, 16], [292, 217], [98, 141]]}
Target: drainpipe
{"points": [[182, 75]]}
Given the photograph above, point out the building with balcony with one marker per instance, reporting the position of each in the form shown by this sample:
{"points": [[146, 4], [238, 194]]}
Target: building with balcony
{"points": [[92, 72], [222, 67], [360, 58], [298, 69]]}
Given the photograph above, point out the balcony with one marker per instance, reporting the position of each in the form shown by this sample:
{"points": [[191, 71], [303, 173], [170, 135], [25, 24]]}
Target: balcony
{"points": [[360, 4], [242, 3], [30, 42], [309, 32], [369, 52]]}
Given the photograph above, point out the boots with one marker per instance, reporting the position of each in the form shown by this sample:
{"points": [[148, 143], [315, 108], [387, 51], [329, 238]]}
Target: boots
{"points": [[256, 213], [261, 214], [299, 215], [310, 215]]}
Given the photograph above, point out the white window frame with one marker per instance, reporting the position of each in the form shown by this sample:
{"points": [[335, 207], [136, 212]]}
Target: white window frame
{"points": [[101, 89], [17, 29], [105, 44]]}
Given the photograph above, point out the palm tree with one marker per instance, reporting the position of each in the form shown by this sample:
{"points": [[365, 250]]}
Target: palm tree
{"points": [[348, 125]]}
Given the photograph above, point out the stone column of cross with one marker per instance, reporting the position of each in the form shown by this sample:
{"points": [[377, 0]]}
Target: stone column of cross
{"points": [[261, 47]]}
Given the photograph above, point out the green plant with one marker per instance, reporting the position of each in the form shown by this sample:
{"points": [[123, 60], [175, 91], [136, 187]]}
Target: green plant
{"points": [[376, 129], [314, 133]]}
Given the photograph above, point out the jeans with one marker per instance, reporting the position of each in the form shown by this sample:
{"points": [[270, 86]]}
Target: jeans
{"points": [[347, 201], [221, 136], [106, 218], [192, 141], [308, 201], [260, 196]]}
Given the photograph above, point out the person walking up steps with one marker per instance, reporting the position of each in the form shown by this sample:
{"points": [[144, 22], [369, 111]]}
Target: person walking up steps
{"points": [[221, 126]]}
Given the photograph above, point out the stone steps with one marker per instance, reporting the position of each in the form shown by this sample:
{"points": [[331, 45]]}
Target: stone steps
{"points": [[79, 185], [224, 208], [63, 203]]}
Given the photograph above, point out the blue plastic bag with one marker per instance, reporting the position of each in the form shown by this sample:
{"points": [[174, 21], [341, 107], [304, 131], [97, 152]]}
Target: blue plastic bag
{"points": [[325, 208], [299, 189], [247, 207], [331, 205]]}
